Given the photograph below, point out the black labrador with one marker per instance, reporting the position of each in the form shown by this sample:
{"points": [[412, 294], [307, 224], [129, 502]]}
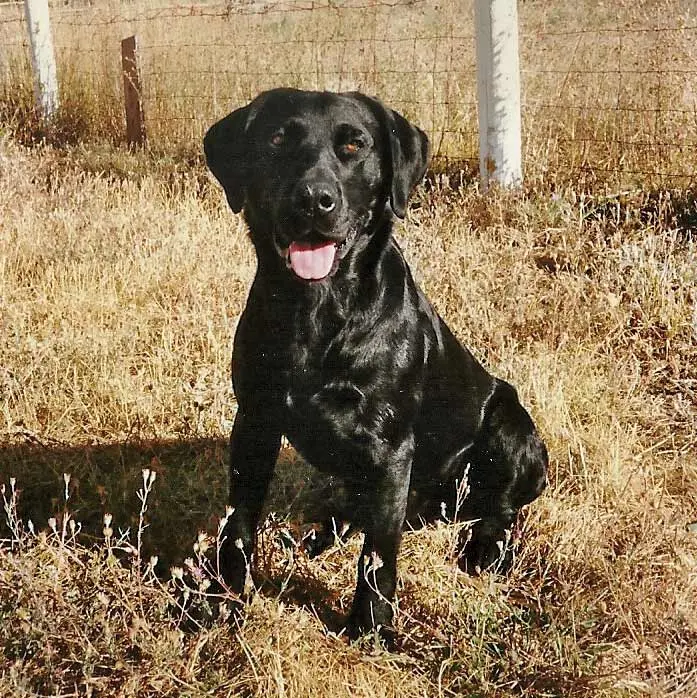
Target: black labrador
{"points": [[339, 350]]}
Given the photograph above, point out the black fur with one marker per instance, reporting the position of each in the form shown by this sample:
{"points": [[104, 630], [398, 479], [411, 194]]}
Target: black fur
{"points": [[356, 368]]}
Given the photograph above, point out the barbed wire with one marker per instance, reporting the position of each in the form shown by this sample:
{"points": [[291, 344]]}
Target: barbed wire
{"points": [[315, 72], [625, 143], [232, 9], [433, 64], [618, 30], [615, 108], [333, 40], [608, 71]]}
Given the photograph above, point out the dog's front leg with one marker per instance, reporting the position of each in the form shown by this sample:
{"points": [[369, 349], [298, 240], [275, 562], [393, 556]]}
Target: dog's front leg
{"points": [[254, 447], [377, 566]]}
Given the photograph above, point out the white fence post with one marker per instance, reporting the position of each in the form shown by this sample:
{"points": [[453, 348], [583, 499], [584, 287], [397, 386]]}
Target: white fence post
{"points": [[498, 88], [43, 58]]}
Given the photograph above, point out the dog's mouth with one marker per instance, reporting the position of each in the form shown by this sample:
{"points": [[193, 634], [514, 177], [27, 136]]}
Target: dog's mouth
{"points": [[315, 261], [312, 261]]}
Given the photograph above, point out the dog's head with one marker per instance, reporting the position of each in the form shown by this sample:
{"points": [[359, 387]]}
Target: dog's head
{"points": [[314, 172]]}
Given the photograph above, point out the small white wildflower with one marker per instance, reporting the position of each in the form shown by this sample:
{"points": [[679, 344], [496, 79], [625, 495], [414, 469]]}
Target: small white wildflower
{"points": [[177, 573], [108, 519], [30, 526], [376, 560], [146, 476], [153, 562], [229, 511], [103, 598], [52, 524], [239, 545], [202, 543]]}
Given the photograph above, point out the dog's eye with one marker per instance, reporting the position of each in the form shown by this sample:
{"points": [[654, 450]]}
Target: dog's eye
{"points": [[277, 138], [350, 148]]}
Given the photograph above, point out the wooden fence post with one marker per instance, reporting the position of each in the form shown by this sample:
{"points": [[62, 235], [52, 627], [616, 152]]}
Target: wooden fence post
{"points": [[132, 92], [43, 57], [498, 88]]}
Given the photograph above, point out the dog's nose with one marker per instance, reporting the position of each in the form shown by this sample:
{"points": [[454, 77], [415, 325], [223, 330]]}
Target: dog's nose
{"points": [[316, 200], [325, 202]]}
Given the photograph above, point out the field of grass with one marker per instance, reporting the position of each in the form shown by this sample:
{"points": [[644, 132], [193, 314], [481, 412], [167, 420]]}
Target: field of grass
{"points": [[121, 279]]}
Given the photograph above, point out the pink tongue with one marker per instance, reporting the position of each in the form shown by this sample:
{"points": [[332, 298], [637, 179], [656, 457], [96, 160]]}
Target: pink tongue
{"points": [[312, 261]]}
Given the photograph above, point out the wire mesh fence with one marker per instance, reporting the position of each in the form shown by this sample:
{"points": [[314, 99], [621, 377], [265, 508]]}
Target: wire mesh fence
{"points": [[609, 90]]}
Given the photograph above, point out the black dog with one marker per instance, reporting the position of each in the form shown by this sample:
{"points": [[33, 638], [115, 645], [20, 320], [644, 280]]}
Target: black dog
{"points": [[339, 350]]}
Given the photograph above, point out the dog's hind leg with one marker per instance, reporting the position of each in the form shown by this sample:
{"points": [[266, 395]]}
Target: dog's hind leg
{"points": [[508, 470]]}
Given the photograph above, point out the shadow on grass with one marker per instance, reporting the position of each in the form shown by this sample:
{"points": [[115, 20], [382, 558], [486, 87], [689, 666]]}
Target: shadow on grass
{"points": [[307, 591], [189, 494]]}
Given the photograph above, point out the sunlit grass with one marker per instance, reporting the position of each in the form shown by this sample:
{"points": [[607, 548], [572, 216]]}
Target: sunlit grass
{"points": [[121, 279]]}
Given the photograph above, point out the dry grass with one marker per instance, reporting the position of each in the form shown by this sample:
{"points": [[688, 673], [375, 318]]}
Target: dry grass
{"points": [[119, 296], [121, 278]]}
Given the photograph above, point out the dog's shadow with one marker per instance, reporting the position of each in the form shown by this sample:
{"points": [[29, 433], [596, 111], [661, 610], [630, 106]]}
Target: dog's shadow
{"points": [[189, 493], [307, 591], [188, 496]]}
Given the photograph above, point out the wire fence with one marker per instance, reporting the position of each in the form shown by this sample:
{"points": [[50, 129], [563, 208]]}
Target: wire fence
{"points": [[609, 90]]}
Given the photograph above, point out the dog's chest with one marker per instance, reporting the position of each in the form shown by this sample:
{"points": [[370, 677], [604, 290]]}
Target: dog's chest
{"points": [[330, 415], [340, 426]]}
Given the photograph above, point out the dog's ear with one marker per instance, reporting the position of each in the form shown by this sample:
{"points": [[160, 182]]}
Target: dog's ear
{"points": [[408, 153], [411, 151], [227, 153]]}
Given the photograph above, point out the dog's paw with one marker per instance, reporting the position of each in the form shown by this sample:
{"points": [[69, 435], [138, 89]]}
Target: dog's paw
{"points": [[371, 614], [361, 628], [316, 541], [235, 567], [485, 549]]}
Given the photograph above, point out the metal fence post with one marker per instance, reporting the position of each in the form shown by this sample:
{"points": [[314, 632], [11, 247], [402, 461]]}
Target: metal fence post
{"points": [[43, 58], [498, 88]]}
